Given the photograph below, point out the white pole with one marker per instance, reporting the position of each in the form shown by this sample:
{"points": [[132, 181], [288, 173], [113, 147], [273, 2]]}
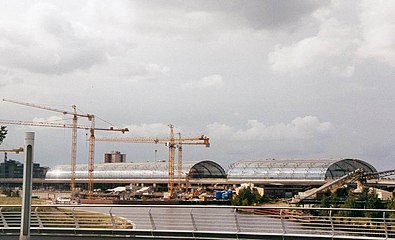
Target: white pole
{"points": [[27, 186]]}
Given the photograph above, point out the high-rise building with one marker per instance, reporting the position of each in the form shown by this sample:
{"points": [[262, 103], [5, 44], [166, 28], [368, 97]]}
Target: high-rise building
{"points": [[114, 157]]}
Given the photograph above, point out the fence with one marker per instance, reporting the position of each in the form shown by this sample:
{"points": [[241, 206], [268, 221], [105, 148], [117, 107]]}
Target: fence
{"points": [[203, 221]]}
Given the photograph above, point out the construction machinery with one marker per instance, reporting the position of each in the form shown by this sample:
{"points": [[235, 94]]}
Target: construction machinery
{"points": [[15, 150], [359, 176], [91, 129], [172, 143], [377, 175], [75, 115]]}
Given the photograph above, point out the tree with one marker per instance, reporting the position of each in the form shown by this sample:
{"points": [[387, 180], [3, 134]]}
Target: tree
{"points": [[391, 205], [325, 203], [247, 197], [338, 196], [391, 202], [3, 133], [350, 202]]}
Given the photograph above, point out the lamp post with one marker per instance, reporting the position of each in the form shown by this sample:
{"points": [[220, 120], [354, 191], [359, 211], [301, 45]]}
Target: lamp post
{"points": [[27, 187]]}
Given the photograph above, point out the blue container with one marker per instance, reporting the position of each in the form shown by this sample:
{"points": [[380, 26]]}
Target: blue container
{"points": [[218, 195], [230, 192], [225, 195]]}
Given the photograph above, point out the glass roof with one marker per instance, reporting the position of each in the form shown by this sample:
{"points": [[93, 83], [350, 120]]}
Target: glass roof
{"points": [[138, 170], [207, 169], [257, 169], [295, 169]]}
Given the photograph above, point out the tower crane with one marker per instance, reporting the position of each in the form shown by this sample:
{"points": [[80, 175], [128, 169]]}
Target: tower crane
{"points": [[73, 132], [73, 126], [171, 143], [15, 150]]}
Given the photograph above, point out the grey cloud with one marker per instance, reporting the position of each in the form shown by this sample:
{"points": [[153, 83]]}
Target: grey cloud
{"points": [[258, 14], [67, 59], [271, 14], [50, 44]]}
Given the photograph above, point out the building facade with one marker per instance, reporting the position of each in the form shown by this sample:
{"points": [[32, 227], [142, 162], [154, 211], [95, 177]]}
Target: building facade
{"points": [[14, 169], [114, 157]]}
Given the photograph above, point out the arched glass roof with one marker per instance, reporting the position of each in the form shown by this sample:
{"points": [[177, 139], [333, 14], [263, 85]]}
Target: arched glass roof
{"points": [[207, 169], [138, 170], [296, 169]]}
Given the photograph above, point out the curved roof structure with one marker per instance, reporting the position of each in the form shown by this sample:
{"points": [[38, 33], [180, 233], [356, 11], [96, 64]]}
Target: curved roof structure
{"points": [[296, 169], [139, 170]]}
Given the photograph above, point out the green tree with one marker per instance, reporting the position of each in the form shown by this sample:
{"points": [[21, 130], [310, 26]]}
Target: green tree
{"points": [[337, 196], [3, 133], [325, 203], [369, 200], [391, 204], [365, 200], [247, 197], [350, 202]]}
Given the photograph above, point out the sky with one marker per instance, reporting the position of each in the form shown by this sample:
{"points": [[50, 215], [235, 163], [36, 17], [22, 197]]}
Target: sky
{"points": [[262, 79]]}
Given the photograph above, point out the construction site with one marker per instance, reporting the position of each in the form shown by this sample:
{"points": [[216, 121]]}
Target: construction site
{"points": [[176, 180]]}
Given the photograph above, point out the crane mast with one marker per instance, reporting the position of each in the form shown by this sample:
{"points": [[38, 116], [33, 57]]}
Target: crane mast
{"points": [[171, 162], [73, 150], [179, 162], [91, 163]]}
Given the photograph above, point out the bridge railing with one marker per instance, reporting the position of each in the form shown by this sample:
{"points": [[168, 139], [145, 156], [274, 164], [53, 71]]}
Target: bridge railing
{"points": [[58, 216], [192, 221]]}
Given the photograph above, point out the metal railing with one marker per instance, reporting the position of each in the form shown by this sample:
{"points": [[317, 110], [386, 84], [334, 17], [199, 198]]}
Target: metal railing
{"points": [[208, 221]]}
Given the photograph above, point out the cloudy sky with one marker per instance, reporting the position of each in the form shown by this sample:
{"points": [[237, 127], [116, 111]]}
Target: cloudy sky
{"points": [[263, 79]]}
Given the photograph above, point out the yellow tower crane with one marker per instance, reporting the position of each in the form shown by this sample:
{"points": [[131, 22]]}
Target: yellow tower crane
{"points": [[15, 150], [171, 143], [73, 132], [73, 126]]}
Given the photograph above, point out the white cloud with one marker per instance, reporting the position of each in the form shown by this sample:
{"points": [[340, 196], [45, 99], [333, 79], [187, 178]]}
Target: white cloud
{"points": [[307, 127], [51, 119], [150, 130], [141, 72], [333, 42], [220, 130], [378, 24], [209, 81], [55, 119], [339, 44]]}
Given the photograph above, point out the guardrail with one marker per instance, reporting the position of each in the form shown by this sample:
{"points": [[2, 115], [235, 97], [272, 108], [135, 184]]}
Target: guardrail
{"points": [[190, 222]]}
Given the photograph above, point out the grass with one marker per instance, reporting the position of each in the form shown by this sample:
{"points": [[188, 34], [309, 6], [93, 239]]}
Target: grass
{"points": [[17, 201], [63, 217]]}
